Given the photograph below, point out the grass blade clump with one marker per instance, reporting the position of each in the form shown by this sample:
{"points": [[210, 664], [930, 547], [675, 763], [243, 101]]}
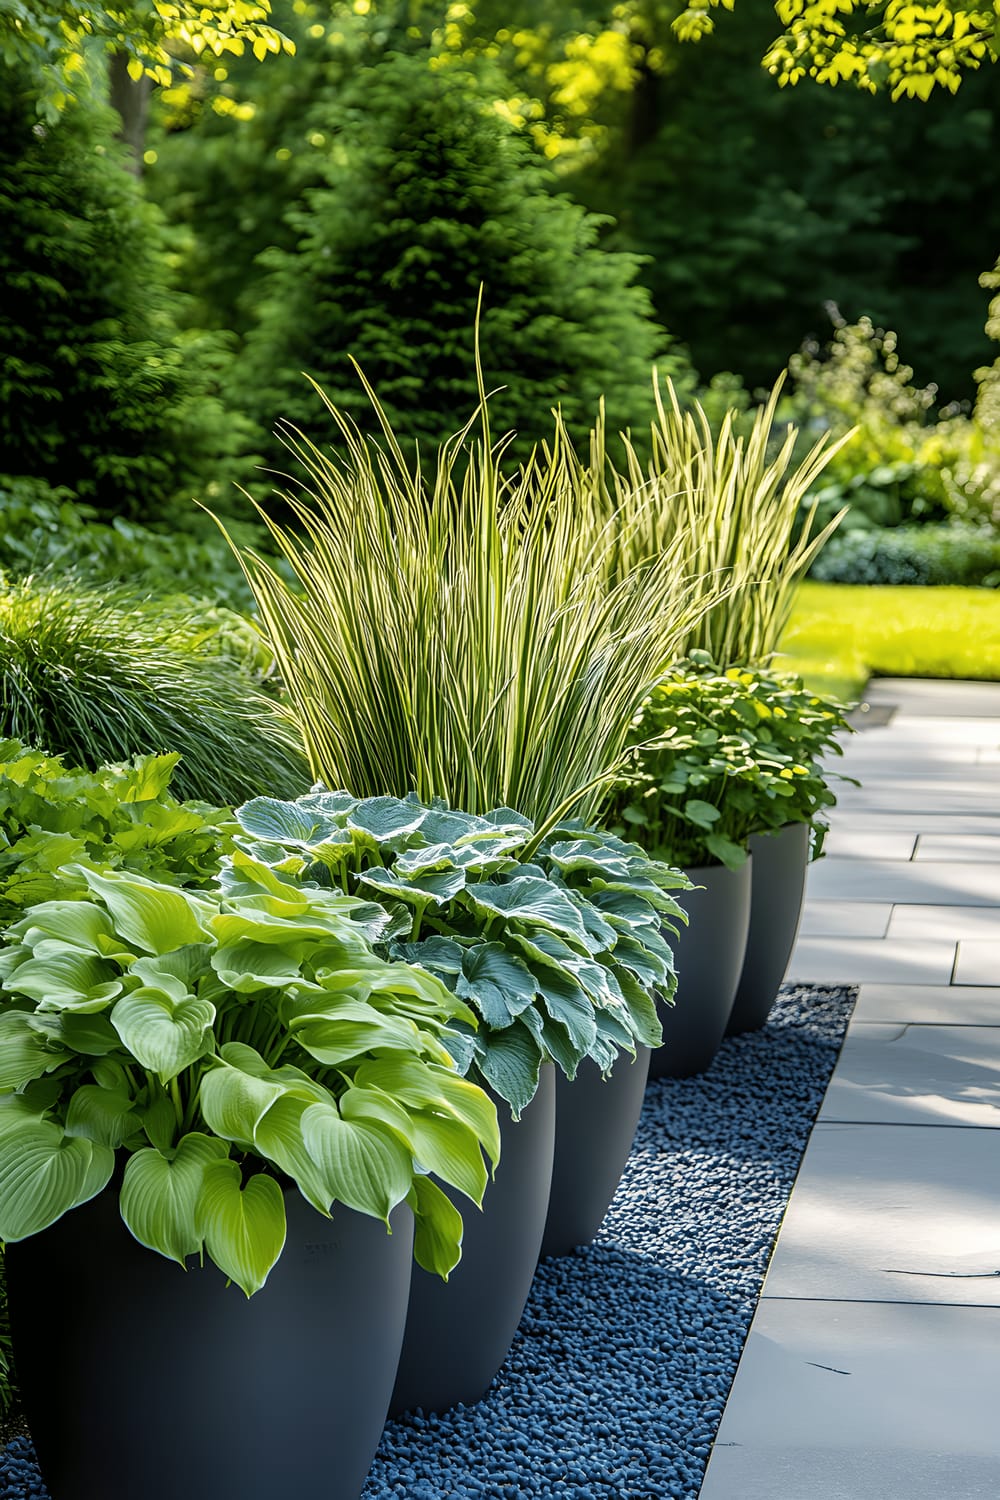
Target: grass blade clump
{"points": [[102, 676], [729, 506], [452, 632]]}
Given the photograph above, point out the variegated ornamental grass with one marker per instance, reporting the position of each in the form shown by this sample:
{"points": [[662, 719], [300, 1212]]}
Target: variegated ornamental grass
{"points": [[450, 629], [725, 508]]}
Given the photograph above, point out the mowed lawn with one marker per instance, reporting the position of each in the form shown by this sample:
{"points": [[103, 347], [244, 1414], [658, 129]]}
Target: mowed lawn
{"points": [[841, 634]]}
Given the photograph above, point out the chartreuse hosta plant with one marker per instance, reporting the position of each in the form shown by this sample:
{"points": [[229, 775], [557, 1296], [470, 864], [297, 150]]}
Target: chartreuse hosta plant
{"points": [[220, 1042], [556, 943], [724, 755]]}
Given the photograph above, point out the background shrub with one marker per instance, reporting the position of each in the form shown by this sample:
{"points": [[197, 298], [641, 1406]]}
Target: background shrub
{"points": [[102, 676], [103, 393], [430, 195], [949, 554], [43, 528]]}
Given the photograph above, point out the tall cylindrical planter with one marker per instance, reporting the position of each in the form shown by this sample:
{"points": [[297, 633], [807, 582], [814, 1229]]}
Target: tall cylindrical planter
{"points": [[708, 956], [141, 1380], [596, 1120], [458, 1332], [780, 861]]}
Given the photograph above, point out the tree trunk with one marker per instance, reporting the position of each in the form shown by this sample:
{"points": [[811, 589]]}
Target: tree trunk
{"points": [[131, 100]]}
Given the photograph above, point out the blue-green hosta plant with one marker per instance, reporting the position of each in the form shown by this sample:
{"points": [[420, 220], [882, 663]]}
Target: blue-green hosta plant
{"points": [[556, 942], [223, 1043], [721, 756]]}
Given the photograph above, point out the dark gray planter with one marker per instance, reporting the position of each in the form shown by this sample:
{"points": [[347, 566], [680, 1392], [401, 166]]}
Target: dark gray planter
{"points": [[141, 1380], [780, 861], [458, 1332], [708, 955], [596, 1120]]}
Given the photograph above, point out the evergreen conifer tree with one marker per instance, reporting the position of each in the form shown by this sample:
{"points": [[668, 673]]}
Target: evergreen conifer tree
{"points": [[431, 195], [101, 394]]}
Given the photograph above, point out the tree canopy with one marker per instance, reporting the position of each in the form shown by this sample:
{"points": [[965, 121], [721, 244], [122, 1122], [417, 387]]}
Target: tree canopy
{"points": [[903, 45]]}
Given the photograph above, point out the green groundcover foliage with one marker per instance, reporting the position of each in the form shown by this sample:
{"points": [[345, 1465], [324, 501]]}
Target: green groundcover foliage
{"points": [[431, 195], [102, 393], [101, 675]]}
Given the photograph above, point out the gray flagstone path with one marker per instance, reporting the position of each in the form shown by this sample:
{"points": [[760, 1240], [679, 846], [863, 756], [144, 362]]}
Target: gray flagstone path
{"points": [[872, 1366]]}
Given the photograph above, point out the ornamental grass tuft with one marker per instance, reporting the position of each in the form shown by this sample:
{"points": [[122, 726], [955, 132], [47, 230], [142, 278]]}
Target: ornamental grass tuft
{"points": [[727, 508], [451, 631], [103, 676]]}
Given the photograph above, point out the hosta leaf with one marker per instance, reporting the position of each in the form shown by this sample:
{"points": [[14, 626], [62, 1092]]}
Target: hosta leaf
{"points": [[446, 826], [243, 1227], [332, 1041], [59, 977], [386, 820], [333, 805], [268, 922], [534, 902], [372, 1104], [159, 1197], [646, 1022], [233, 1099], [437, 1238], [163, 1034], [509, 1062], [177, 973], [101, 1115], [278, 1138], [77, 924], [367, 1166], [159, 1121], [427, 1086], [553, 1041], [446, 1147], [43, 1174], [149, 777], [573, 855], [433, 889], [462, 1047], [24, 1054], [154, 918], [496, 982], [651, 968], [439, 955], [247, 966], [571, 1006], [285, 822]]}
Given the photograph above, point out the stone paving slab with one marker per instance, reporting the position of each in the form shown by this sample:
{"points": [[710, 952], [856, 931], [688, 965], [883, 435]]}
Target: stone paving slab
{"points": [[977, 962], [854, 843], [956, 846], [862, 1401], [916, 1075], [905, 794], [847, 919], [917, 821], [932, 697], [949, 922], [937, 883], [900, 1213], [833, 960], [928, 1004]]}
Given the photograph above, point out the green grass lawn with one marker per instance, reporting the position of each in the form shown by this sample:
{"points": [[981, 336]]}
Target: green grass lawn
{"points": [[841, 634]]}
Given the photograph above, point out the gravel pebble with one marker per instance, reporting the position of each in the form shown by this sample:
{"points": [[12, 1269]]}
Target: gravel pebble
{"points": [[620, 1370]]}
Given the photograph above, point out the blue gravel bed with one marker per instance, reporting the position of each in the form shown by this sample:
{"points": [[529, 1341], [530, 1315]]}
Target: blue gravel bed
{"points": [[623, 1362]]}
